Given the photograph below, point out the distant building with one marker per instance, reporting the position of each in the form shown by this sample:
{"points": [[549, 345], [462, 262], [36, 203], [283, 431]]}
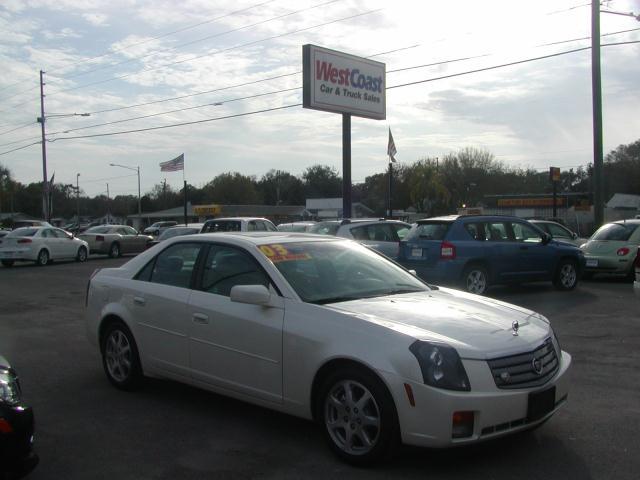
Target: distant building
{"points": [[331, 209]]}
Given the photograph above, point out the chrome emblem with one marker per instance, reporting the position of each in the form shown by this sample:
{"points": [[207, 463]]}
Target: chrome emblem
{"points": [[515, 326], [536, 364]]}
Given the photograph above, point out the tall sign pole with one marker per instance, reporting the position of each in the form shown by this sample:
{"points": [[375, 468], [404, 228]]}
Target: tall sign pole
{"points": [[596, 92], [337, 82], [346, 165]]}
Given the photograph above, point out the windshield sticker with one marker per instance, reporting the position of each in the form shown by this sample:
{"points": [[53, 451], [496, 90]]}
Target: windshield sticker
{"points": [[278, 253]]}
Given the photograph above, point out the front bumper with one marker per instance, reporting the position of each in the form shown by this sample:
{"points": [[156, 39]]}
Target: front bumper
{"points": [[16, 440], [496, 412]]}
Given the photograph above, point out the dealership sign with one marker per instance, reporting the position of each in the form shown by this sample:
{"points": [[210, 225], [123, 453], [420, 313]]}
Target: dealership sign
{"points": [[337, 82]]}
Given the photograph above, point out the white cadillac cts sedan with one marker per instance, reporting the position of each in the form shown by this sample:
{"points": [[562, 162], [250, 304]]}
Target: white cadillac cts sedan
{"points": [[324, 328]]}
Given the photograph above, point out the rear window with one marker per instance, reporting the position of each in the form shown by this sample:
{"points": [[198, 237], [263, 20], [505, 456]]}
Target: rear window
{"points": [[429, 231], [325, 228], [615, 231], [222, 226], [23, 232]]}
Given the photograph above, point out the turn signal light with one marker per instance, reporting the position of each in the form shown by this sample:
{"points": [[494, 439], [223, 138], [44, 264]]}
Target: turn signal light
{"points": [[622, 251], [5, 427], [462, 424], [447, 251], [24, 240]]}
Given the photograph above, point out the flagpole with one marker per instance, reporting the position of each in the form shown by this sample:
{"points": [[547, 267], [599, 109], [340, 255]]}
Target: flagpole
{"points": [[390, 184], [185, 194]]}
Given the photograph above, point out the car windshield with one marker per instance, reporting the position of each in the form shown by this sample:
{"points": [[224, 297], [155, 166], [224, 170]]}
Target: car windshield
{"points": [[615, 231], [176, 232], [100, 229], [329, 272], [429, 231], [325, 228], [23, 232]]}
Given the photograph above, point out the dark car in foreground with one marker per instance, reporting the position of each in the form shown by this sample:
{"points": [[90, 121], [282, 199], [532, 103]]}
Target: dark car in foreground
{"points": [[17, 457], [477, 251]]}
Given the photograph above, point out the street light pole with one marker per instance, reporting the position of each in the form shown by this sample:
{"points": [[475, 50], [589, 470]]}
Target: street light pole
{"points": [[78, 198], [45, 184], [596, 92], [137, 170]]}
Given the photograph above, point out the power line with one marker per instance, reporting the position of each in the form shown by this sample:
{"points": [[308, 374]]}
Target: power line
{"points": [[97, 180], [178, 124], [216, 52], [112, 52], [20, 148], [18, 128], [295, 105], [518, 62], [19, 141], [208, 37]]}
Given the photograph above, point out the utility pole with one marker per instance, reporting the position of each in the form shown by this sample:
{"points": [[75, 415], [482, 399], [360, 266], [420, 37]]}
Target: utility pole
{"points": [[45, 182], [596, 92]]}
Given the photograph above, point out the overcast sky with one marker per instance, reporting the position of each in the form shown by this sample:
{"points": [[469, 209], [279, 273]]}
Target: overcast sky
{"points": [[102, 55]]}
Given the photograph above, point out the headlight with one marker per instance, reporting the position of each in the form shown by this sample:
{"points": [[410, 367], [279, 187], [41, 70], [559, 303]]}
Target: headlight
{"points": [[9, 388], [441, 366]]}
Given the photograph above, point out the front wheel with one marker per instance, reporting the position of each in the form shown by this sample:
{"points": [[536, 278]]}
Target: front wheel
{"points": [[475, 279], [566, 275], [358, 416], [82, 255], [43, 258], [120, 357]]}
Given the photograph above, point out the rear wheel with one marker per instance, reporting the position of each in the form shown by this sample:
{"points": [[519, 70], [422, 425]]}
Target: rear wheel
{"points": [[114, 250], [358, 416], [7, 263], [475, 279], [120, 357], [43, 258], [566, 277]]}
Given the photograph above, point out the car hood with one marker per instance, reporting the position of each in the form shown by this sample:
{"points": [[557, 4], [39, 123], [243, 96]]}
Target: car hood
{"points": [[477, 327]]}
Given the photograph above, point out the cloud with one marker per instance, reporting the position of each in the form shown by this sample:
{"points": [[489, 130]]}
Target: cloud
{"points": [[64, 33], [96, 19]]}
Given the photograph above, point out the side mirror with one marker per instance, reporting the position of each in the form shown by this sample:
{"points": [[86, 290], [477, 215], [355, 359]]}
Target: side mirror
{"points": [[251, 294], [546, 238], [413, 272], [574, 235]]}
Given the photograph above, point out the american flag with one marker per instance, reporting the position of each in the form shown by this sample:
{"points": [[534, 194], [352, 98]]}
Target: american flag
{"points": [[391, 148], [173, 165]]}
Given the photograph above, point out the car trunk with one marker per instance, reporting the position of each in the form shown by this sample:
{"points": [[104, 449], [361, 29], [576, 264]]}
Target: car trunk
{"points": [[424, 244]]}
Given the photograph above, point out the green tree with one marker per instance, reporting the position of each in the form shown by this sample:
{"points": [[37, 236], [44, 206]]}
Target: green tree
{"points": [[427, 192], [277, 187], [232, 189], [322, 181]]}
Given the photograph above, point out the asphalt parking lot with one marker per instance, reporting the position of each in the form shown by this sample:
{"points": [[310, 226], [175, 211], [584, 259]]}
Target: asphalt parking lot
{"points": [[86, 429]]}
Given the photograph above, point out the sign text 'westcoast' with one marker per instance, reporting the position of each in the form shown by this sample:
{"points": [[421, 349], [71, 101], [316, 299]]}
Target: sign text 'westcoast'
{"points": [[343, 80]]}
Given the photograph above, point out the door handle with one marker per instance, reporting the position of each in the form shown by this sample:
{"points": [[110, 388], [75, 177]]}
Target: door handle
{"points": [[139, 300], [200, 318]]}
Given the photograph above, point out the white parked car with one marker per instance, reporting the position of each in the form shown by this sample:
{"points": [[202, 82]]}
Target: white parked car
{"points": [[40, 245], [238, 224], [324, 328]]}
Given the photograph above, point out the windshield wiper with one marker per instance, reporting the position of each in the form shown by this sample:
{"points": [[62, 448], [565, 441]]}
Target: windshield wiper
{"points": [[323, 301]]}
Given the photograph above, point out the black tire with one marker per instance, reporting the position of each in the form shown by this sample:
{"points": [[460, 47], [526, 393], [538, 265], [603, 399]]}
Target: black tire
{"points": [[631, 274], [43, 258], [114, 250], [120, 358], [566, 276], [82, 255], [7, 263], [360, 436], [475, 279]]}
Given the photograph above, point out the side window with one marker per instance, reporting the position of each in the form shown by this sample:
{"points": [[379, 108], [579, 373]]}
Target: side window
{"points": [[121, 231], [381, 233], [251, 226], [226, 267], [47, 233], [476, 230], [557, 232], [360, 233], [130, 231], [401, 231], [525, 233], [174, 265], [270, 227], [260, 226], [496, 232]]}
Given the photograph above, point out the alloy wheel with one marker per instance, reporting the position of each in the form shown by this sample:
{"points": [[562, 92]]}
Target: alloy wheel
{"points": [[118, 356], [476, 282], [352, 417], [568, 275]]}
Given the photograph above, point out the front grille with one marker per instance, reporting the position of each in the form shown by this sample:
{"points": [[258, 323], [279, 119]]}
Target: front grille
{"points": [[518, 371]]}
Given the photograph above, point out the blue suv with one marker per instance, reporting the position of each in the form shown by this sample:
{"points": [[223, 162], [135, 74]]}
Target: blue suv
{"points": [[477, 251]]}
